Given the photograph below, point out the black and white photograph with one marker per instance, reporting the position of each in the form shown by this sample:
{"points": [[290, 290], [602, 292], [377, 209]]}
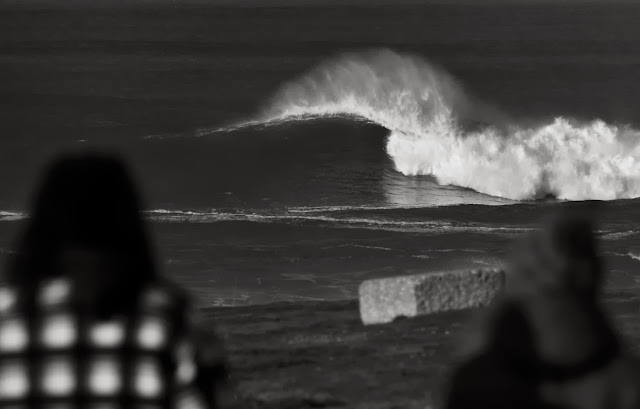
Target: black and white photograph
{"points": [[297, 204]]}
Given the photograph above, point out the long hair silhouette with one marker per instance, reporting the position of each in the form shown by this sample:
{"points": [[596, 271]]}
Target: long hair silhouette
{"points": [[87, 201]]}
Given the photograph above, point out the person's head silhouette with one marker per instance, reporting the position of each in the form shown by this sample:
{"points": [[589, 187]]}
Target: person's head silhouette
{"points": [[85, 225]]}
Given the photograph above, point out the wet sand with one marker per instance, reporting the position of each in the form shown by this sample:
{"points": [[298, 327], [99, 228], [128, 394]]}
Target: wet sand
{"points": [[317, 355]]}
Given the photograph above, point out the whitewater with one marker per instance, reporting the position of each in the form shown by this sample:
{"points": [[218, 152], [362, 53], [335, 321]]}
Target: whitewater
{"points": [[436, 129]]}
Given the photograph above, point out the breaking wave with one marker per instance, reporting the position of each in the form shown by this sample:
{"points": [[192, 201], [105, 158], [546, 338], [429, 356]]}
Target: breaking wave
{"points": [[436, 129], [364, 221]]}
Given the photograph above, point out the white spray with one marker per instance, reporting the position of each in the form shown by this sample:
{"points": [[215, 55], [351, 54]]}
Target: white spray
{"points": [[423, 108]]}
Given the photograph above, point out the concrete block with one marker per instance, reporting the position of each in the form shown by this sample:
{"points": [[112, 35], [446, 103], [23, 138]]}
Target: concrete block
{"points": [[385, 299]]}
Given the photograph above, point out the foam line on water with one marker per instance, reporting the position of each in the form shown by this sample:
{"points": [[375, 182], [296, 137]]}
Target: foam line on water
{"points": [[424, 226], [6, 215]]}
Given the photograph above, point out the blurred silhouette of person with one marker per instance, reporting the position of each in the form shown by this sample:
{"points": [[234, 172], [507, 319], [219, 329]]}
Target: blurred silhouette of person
{"points": [[85, 318], [503, 375], [576, 359]]}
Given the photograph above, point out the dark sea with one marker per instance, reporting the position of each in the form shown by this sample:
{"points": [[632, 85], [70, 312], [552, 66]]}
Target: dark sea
{"points": [[288, 153]]}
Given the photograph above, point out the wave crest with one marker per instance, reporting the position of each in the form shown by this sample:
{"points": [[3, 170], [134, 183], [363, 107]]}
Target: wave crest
{"points": [[428, 113], [393, 90]]}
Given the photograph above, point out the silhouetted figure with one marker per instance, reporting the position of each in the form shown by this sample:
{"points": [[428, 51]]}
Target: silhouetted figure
{"points": [[575, 359], [557, 276], [85, 319], [502, 376]]}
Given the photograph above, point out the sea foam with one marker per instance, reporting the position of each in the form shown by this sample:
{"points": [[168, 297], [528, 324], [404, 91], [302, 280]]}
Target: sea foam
{"points": [[428, 114]]}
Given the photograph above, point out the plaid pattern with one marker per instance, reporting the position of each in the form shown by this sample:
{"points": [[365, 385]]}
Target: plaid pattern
{"points": [[61, 358]]}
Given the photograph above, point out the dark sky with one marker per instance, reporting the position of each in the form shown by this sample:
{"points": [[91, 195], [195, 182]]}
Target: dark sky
{"points": [[262, 3]]}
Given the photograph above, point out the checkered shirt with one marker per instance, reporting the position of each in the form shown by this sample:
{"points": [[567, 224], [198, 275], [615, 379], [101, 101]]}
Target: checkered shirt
{"points": [[60, 357]]}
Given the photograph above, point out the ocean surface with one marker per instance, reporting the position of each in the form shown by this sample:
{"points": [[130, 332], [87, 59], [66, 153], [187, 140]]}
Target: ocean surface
{"points": [[287, 153]]}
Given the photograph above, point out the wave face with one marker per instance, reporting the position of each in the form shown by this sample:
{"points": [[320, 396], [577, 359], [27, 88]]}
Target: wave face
{"points": [[428, 116]]}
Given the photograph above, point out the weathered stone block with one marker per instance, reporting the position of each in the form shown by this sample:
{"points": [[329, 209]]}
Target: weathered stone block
{"points": [[385, 299]]}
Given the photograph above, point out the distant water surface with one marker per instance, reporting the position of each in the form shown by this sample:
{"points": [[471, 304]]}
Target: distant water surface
{"points": [[290, 152]]}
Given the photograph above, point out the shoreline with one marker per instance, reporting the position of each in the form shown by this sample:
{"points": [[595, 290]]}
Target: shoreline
{"points": [[318, 354]]}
